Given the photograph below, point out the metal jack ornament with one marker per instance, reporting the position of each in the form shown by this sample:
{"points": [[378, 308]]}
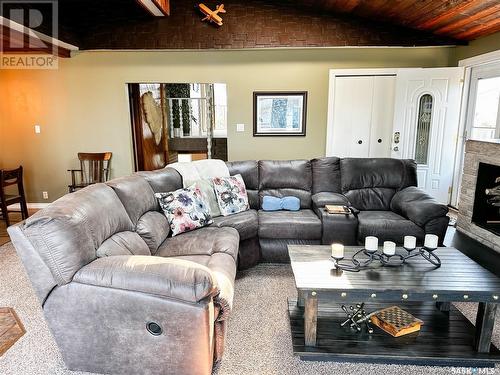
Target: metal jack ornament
{"points": [[357, 317]]}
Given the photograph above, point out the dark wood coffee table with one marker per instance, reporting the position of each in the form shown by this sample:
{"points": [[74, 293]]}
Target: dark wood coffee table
{"points": [[447, 338]]}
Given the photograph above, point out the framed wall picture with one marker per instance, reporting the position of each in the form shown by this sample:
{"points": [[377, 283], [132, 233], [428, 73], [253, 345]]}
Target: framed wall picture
{"points": [[279, 113]]}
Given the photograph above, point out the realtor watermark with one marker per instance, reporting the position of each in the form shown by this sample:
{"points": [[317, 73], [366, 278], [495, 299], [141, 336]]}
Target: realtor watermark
{"points": [[28, 34], [473, 370]]}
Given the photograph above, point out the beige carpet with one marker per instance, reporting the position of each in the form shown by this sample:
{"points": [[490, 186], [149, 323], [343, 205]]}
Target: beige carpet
{"points": [[259, 340]]}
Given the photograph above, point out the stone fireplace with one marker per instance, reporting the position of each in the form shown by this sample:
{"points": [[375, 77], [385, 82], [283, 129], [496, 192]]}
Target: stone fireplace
{"points": [[479, 201]]}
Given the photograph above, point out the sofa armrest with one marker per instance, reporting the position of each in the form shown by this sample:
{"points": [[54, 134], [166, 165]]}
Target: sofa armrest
{"points": [[417, 206], [163, 277], [322, 199]]}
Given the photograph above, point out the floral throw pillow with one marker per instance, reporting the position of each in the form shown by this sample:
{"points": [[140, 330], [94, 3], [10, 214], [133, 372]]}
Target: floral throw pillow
{"points": [[185, 209], [231, 194]]}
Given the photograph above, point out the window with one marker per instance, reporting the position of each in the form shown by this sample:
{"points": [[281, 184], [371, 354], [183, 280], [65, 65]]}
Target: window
{"points": [[423, 129], [485, 120], [483, 113]]}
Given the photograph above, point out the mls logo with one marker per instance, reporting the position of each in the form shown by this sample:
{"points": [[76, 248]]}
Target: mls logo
{"points": [[28, 30]]}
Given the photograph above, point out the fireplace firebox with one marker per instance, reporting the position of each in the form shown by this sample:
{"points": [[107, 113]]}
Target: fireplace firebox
{"points": [[486, 211]]}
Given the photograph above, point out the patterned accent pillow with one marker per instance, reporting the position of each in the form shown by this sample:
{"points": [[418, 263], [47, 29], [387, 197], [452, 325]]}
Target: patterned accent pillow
{"points": [[231, 194], [185, 209]]}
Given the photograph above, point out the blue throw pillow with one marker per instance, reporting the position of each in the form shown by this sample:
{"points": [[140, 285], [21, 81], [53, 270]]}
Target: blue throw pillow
{"points": [[270, 203]]}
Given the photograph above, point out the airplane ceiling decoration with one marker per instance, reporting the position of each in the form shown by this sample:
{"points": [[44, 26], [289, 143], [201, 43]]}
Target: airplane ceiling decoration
{"points": [[212, 15]]}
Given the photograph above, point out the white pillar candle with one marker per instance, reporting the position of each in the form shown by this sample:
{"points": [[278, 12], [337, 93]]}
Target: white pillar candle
{"points": [[410, 242], [371, 243], [337, 250], [389, 248], [431, 241]]}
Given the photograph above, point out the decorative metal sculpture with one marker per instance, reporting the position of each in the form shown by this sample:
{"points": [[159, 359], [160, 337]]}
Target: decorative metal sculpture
{"points": [[494, 193], [357, 317], [386, 260]]}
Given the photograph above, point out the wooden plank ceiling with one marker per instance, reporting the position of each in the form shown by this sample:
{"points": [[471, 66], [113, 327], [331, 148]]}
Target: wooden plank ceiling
{"points": [[459, 19]]}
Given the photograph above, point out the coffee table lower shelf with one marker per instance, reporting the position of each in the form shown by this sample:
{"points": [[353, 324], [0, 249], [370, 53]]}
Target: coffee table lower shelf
{"points": [[446, 338]]}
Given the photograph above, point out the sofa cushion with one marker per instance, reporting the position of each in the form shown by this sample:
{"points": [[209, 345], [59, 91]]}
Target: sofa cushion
{"points": [[387, 226], [204, 241], [246, 223], [303, 224], [249, 170], [280, 178], [153, 228], [136, 195], [123, 243], [231, 194], [223, 268], [162, 180], [418, 206], [185, 209], [370, 183], [171, 278], [68, 232], [326, 174], [275, 250]]}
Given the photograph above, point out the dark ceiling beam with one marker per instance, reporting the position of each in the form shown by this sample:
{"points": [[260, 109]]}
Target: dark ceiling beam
{"points": [[158, 8]]}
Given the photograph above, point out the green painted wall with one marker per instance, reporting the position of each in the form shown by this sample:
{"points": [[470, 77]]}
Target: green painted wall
{"points": [[83, 106], [476, 47]]}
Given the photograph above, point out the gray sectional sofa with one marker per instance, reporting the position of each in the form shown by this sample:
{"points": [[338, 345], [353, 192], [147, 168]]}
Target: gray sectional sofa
{"points": [[121, 296]]}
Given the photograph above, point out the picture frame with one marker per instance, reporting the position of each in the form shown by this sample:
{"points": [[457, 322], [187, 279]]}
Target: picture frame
{"points": [[279, 113]]}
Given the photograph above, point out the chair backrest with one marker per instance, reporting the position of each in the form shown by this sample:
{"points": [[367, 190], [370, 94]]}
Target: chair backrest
{"points": [[9, 177], [95, 166], [281, 178], [370, 183]]}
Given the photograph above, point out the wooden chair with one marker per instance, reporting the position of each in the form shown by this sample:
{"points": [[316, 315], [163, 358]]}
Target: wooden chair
{"points": [[94, 168], [9, 178]]}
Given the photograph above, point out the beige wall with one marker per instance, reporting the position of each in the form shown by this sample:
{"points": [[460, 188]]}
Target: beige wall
{"points": [[83, 106], [476, 47]]}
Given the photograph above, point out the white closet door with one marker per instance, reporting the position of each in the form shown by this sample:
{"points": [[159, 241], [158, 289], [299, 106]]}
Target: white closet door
{"points": [[384, 88], [352, 115]]}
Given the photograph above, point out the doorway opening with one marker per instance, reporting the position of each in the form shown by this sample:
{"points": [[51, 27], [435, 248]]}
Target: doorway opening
{"points": [[177, 121]]}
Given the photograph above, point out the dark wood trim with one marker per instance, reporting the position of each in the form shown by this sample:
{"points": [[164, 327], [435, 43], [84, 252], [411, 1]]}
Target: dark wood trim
{"points": [[135, 116], [256, 94], [162, 5]]}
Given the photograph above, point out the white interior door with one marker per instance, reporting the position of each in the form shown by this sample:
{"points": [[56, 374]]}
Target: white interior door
{"points": [[362, 115], [382, 116], [352, 116], [426, 121]]}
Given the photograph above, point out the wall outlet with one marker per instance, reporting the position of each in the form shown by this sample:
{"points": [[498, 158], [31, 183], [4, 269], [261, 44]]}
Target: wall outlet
{"points": [[240, 127], [45, 195], [38, 129]]}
